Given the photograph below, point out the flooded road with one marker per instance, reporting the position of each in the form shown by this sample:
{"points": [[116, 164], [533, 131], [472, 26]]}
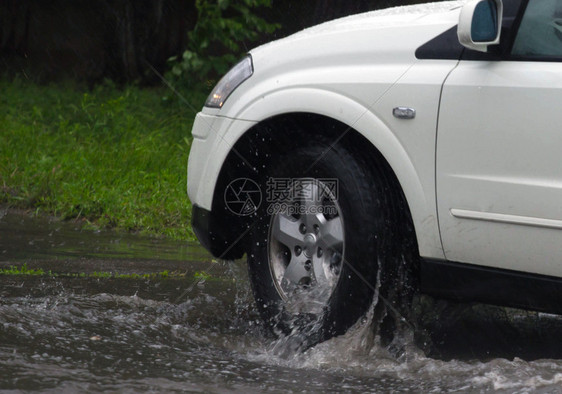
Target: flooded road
{"points": [[195, 328]]}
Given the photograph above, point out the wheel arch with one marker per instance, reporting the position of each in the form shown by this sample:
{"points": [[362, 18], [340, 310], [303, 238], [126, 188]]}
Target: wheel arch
{"points": [[368, 136]]}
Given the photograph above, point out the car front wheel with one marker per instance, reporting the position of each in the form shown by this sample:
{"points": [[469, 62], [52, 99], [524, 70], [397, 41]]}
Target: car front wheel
{"points": [[320, 241]]}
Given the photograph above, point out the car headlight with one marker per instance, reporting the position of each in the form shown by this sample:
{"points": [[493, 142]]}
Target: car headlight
{"points": [[237, 74]]}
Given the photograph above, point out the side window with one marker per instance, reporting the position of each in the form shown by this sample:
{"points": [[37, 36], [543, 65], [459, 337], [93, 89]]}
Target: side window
{"points": [[540, 32]]}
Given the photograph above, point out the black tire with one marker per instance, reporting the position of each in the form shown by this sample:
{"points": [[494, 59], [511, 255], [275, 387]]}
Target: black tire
{"points": [[363, 204]]}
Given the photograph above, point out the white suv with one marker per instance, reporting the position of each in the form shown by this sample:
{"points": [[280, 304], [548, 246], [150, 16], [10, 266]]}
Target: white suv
{"points": [[410, 149]]}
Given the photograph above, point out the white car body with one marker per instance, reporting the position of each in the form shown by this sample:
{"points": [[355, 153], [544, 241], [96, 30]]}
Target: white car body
{"points": [[363, 88], [479, 165]]}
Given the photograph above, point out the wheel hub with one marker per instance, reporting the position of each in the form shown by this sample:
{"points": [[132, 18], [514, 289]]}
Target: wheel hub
{"points": [[309, 245], [303, 246]]}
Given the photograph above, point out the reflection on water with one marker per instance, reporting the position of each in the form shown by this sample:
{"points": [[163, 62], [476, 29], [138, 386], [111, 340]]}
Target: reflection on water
{"points": [[25, 237], [71, 334]]}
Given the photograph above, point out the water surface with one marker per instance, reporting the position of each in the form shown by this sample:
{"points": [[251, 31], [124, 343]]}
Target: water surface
{"points": [[188, 334]]}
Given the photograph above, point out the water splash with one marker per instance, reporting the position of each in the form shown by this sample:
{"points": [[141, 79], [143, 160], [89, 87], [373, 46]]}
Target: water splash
{"points": [[98, 335]]}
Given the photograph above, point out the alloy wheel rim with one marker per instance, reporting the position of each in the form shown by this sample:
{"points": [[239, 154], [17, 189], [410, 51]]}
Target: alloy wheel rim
{"points": [[306, 244]]}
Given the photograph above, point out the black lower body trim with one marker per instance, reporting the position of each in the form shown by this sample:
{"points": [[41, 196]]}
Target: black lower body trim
{"points": [[467, 282], [218, 235]]}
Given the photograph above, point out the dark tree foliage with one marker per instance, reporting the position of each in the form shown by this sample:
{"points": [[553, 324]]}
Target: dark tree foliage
{"points": [[125, 40], [92, 40], [329, 9]]}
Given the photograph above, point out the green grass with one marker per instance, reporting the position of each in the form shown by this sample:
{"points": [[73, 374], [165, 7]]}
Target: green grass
{"points": [[25, 271], [112, 157]]}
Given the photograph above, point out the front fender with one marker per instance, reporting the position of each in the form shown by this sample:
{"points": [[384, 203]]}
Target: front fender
{"points": [[225, 132]]}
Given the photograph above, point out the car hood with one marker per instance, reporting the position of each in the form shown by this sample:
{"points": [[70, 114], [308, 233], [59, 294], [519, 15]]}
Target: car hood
{"points": [[392, 34], [395, 16]]}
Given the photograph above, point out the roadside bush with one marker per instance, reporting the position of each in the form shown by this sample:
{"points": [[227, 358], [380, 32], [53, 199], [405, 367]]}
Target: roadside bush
{"points": [[224, 31]]}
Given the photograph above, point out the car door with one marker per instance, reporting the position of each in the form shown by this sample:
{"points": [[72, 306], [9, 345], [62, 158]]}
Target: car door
{"points": [[499, 152]]}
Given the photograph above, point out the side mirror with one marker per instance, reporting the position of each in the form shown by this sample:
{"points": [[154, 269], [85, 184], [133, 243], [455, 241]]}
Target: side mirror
{"points": [[480, 24]]}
